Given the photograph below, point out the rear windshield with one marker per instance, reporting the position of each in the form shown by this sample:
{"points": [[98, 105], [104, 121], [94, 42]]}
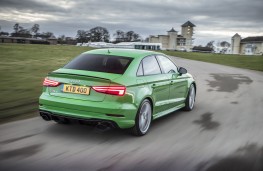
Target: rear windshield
{"points": [[100, 63]]}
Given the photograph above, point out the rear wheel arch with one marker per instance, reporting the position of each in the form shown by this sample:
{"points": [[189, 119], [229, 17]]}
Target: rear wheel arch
{"points": [[151, 101]]}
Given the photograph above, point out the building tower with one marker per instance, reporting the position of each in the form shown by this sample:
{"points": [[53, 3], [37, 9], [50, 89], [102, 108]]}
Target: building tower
{"points": [[172, 39], [187, 33], [235, 44]]}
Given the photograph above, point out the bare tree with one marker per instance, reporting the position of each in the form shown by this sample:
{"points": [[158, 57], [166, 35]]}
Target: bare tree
{"points": [[132, 36], [120, 36], [224, 44], [99, 34], [35, 29], [45, 35], [62, 39], [210, 44], [16, 27], [82, 36]]}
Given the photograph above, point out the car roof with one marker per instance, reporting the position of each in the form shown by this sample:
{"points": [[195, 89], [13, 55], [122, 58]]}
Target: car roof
{"points": [[132, 53]]}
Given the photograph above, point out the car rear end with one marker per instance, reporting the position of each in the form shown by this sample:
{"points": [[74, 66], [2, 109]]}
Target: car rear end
{"points": [[87, 90]]}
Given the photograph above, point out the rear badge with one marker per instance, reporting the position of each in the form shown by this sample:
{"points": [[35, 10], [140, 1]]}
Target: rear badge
{"points": [[74, 81]]}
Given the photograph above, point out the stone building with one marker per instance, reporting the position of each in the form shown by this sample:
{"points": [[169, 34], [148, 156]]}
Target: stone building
{"points": [[247, 46], [174, 41]]}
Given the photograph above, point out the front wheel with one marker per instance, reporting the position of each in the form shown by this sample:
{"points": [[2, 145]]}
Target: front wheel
{"points": [[190, 100], [143, 119]]}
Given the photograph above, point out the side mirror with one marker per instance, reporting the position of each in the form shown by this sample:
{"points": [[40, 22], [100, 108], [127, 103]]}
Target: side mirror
{"points": [[182, 71]]}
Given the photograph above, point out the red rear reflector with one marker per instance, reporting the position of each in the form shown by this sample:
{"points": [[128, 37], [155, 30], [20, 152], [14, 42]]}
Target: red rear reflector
{"points": [[50, 83], [112, 90]]}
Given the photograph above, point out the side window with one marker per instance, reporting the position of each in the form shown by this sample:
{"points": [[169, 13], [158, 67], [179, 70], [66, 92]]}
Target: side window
{"points": [[151, 66], [140, 71], [167, 65]]}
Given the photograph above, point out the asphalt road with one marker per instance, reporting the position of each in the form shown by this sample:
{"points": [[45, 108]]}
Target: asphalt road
{"points": [[223, 132]]}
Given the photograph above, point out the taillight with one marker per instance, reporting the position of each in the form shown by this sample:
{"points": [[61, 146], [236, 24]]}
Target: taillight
{"points": [[112, 90], [50, 83]]}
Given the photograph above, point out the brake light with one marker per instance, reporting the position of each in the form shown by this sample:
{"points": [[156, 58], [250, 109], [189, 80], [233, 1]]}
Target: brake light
{"points": [[112, 90], [50, 83]]}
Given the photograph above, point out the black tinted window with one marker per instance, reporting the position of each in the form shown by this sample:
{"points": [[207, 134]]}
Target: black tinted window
{"points": [[167, 65], [100, 63], [151, 66]]}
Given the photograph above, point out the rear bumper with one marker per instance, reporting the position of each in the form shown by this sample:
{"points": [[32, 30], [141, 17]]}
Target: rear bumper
{"points": [[121, 114], [48, 116]]}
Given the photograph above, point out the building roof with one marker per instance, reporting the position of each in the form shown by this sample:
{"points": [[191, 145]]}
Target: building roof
{"points": [[172, 30], [188, 23], [236, 35], [252, 39]]}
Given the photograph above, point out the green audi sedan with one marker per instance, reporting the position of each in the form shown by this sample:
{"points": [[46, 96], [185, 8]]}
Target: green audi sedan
{"points": [[121, 88]]}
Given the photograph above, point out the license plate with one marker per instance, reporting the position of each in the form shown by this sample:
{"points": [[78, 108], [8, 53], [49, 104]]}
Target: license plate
{"points": [[76, 89]]}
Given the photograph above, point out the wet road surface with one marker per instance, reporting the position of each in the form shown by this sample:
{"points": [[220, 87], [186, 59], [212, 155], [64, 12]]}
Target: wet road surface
{"points": [[223, 132]]}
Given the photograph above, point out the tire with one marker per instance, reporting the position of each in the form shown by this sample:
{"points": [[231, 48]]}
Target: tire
{"points": [[143, 119], [190, 100]]}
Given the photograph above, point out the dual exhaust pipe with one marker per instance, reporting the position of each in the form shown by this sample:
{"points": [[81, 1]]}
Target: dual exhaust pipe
{"points": [[101, 125], [45, 115]]}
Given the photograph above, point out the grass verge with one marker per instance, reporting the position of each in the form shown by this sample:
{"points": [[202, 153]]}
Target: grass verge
{"points": [[23, 68], [239, 61]]}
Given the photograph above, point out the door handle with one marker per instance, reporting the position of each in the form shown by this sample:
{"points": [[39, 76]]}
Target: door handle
{"points": [[154, 85], [171, 82]]}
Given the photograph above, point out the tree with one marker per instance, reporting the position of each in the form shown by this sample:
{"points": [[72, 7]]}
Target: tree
{"points": [[132, 36], [2, 33], [99, 34], [224, 44], [210, 44], [82, 36], [16, 27], [45, 35], [35, 29], [61, 39], [48, 34], [20, 32], [120, 36]]}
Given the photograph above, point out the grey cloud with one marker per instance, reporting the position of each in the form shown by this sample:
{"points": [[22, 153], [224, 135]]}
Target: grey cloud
{"points": [[148, 17], [29, 5]]}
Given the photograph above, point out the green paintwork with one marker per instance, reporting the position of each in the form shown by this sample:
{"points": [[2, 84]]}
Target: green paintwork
{"points": [[167, 92]]}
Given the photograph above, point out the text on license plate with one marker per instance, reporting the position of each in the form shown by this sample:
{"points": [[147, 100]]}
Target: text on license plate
{"points": [[76, 89]]}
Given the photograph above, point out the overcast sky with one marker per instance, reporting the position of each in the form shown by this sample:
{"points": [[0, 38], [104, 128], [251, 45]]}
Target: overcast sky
{"points": [[214, 19]]}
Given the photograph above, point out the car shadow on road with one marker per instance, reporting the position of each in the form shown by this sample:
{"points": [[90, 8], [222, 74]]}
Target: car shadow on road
{"points": [[91, 133]]}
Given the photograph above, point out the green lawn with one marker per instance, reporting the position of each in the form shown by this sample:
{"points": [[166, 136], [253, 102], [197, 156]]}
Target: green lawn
{"points": [[239, 61], [23, 68]]}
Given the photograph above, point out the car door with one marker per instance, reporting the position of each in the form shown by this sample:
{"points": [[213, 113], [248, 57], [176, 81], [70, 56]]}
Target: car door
{"points": [[178, 83], [158, 83]]}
